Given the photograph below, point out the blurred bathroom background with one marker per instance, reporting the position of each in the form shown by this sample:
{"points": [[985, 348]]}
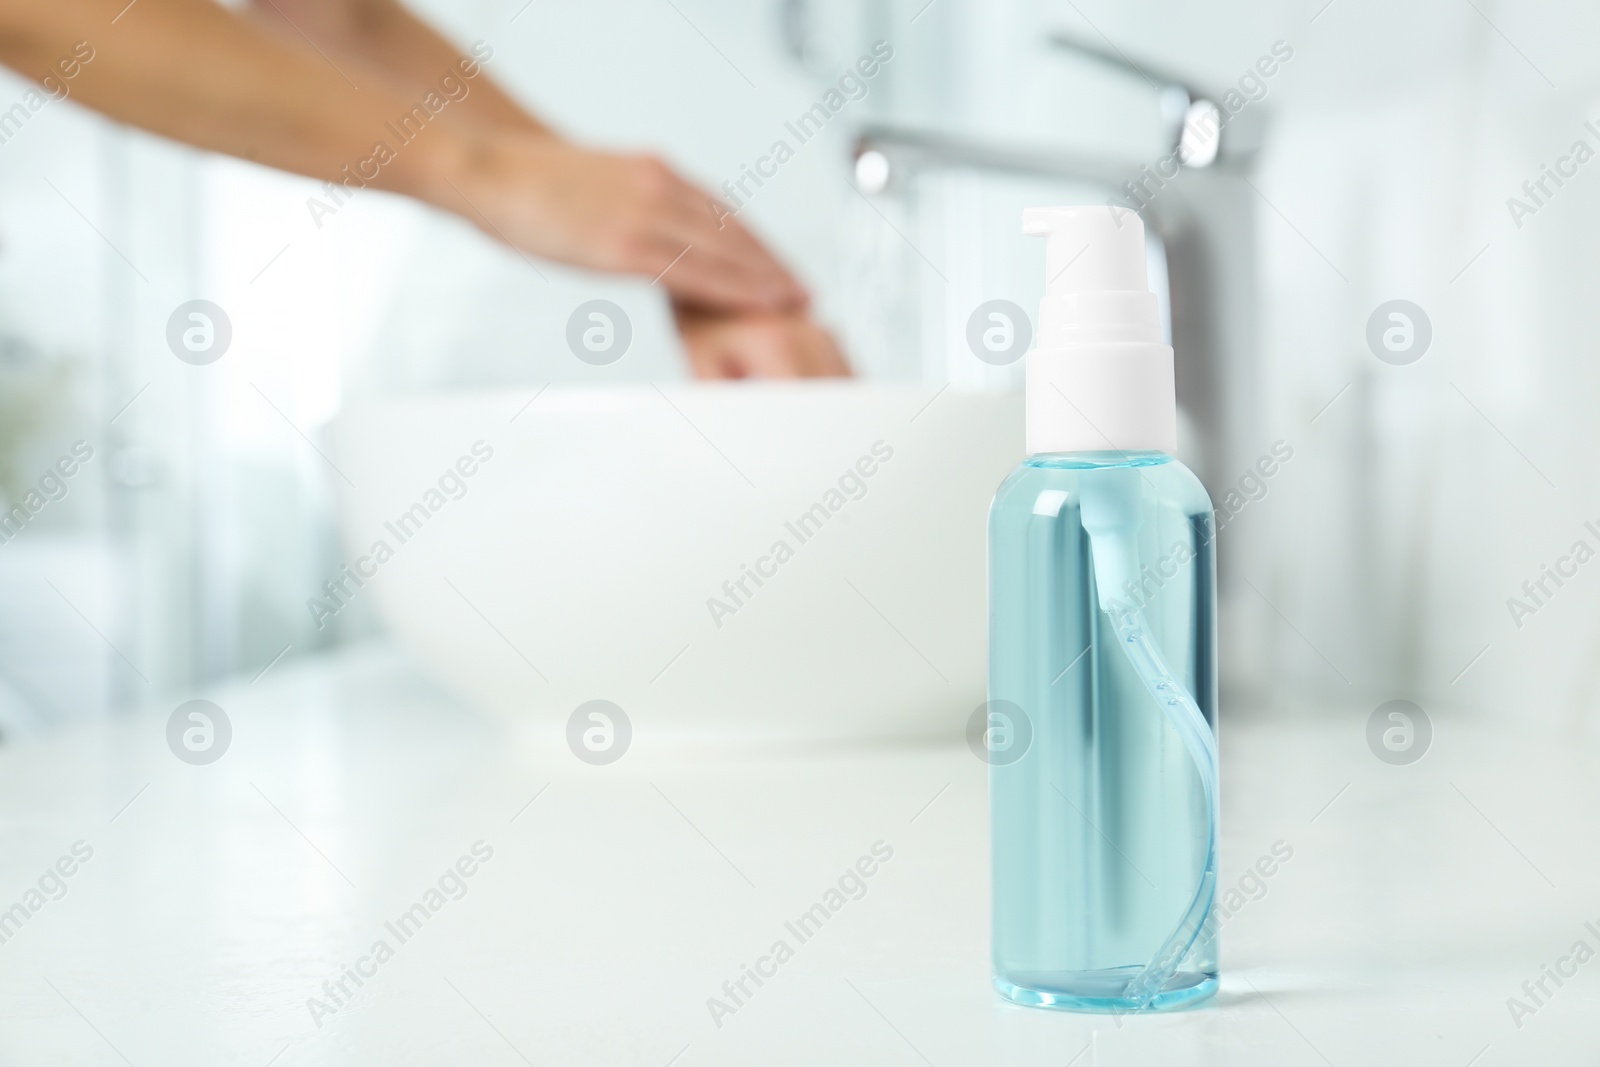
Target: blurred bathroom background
{"points": [[1372, 164]]}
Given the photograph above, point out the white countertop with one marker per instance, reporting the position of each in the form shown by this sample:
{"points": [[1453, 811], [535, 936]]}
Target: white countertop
{"points": [[222, 897]]}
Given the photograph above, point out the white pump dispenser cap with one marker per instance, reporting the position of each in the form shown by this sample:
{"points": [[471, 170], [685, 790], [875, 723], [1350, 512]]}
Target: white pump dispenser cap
{"points": [[1099, 377]]}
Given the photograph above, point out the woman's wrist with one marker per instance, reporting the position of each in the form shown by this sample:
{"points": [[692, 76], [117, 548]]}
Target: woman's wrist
{"points": [[445, 166]]}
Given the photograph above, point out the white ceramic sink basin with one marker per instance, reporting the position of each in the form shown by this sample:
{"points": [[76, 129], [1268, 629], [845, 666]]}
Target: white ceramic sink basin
{"points": [[610, 548]]}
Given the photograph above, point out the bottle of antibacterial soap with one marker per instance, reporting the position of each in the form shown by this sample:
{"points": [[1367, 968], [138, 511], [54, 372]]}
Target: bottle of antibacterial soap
{"points": [[1102, 653]]}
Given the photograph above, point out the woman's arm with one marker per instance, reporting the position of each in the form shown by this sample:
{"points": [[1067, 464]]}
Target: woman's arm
{"points": [[195, 72], [388, 38]]}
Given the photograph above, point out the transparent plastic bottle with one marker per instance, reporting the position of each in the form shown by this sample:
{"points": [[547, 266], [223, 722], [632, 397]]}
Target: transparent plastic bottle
{"points": [[1102, 652], [1102, 830]]}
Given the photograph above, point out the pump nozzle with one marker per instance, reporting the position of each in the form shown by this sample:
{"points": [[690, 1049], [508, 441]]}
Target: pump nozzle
{"points": [[1100, 377], [1089, 249]]}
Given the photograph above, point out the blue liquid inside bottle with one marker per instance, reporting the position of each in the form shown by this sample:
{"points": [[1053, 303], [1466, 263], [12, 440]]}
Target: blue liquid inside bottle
{"points": [[1102, 789]]}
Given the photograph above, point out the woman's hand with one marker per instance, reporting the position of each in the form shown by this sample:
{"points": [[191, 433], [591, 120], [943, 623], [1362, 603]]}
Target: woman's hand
{"points": [[757, 345], [623, 214], [740, 313]]}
